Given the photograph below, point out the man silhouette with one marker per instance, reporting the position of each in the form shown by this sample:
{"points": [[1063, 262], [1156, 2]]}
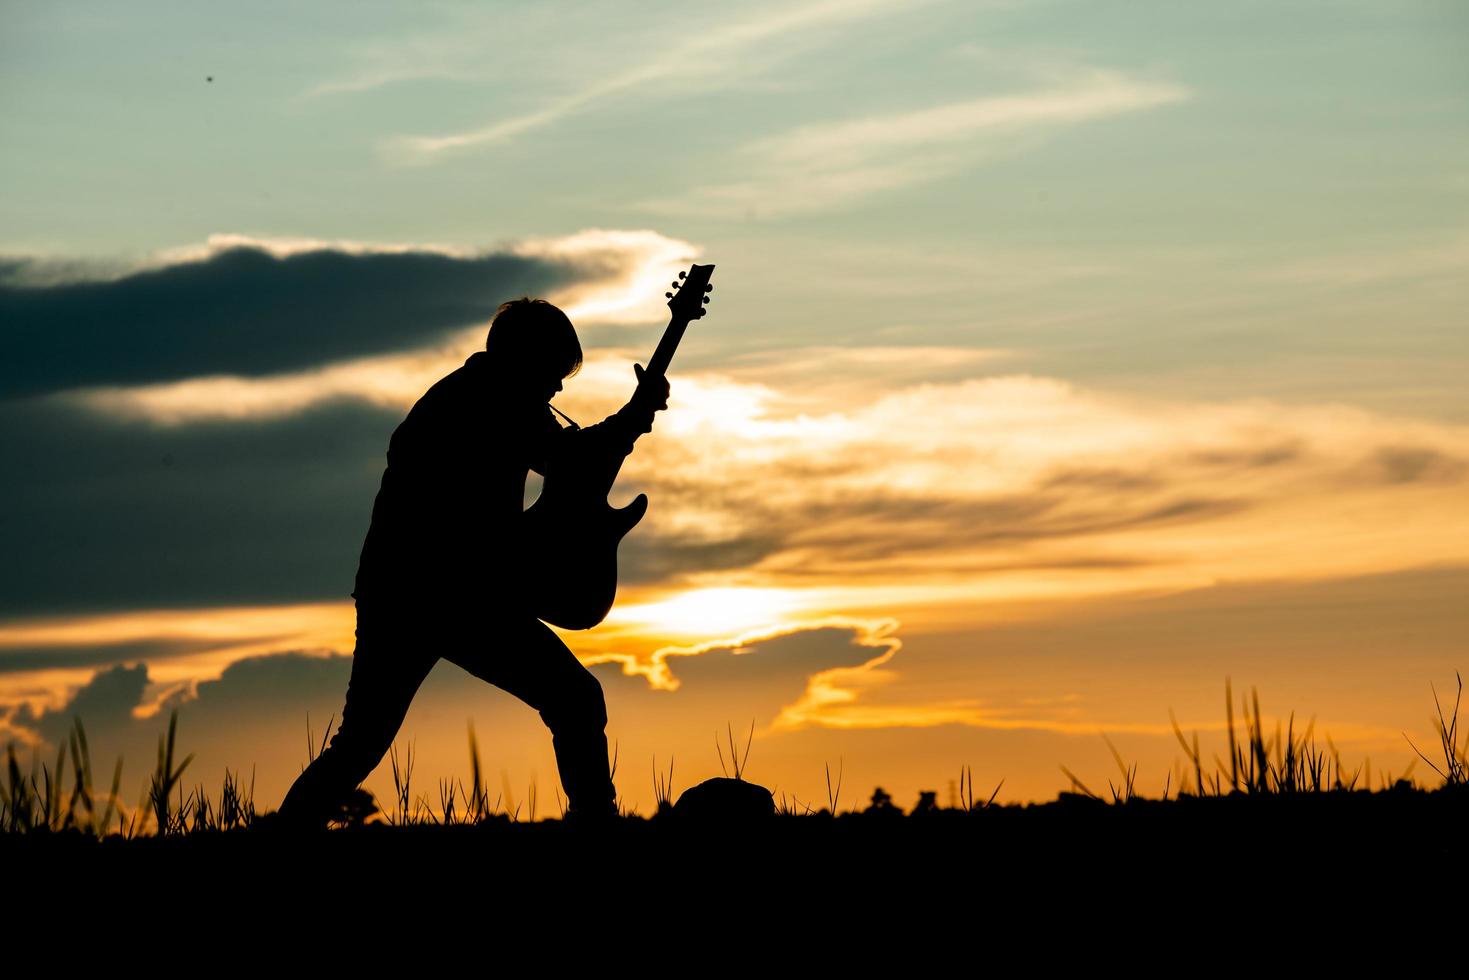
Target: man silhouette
{"points": [[438, 572]]}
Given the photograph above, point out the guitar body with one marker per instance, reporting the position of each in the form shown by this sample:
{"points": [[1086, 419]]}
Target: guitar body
{"points": [[574, 556], [569, 536]]}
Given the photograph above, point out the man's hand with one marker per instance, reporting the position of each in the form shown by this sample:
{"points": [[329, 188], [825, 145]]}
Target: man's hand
{"points": [[652, 391]]}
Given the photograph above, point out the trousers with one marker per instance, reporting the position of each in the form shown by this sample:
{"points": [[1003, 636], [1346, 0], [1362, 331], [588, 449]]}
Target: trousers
{"points": [[393, 656]]}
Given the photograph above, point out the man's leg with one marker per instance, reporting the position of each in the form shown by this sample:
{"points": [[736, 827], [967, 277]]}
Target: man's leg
{"points": [[387, 670], [527, 659]]}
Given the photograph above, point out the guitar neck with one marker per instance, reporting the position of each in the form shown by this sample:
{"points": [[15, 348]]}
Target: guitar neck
{"points": [[672, 334], [686, 306]]}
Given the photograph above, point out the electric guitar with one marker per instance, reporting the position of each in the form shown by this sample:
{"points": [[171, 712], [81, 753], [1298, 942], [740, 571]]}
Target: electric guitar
{"points": [[571, 531]]}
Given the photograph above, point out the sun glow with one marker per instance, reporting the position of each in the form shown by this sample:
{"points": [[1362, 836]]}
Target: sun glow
{"points": [[709, 612], [634, 265]]}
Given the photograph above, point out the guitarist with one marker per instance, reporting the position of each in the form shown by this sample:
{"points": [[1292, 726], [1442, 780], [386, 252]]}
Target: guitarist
{"points": [[437, 575]]}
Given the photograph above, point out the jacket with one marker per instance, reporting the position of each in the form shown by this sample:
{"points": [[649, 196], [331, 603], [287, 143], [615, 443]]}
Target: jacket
{"points": [[443, 531]]}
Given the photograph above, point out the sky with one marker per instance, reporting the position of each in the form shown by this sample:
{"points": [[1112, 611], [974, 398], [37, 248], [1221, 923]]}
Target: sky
{"points": [[1065, 361]]}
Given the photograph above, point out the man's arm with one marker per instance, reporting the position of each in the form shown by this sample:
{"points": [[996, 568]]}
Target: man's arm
{"points": [[613, 435]]}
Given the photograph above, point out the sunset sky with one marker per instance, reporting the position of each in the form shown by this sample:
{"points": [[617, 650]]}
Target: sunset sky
{"points": [[1065, 359]]}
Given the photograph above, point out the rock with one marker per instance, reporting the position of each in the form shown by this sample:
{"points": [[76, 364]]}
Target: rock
{"points": [[725, 800]]}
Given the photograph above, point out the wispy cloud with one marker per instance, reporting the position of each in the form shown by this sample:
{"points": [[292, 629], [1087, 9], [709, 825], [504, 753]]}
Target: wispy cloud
{"points": [[392, 64], [1015, 487], [826, 165], [688, 52], [461, 43], [1448, 256]]}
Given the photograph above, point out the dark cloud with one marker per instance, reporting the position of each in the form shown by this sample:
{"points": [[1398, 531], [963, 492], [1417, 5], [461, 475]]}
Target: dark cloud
{"points": [[1133, 481], [892, 528], [648, 557], [723, 691], [784, 661], [1248, 459], [246, 311], [280, 680], [1414, 464], [104, 703], [249, 692], [108, 513], [1101, 478]]}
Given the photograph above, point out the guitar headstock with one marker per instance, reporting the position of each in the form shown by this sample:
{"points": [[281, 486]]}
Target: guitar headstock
{"points": [[692, 288]]}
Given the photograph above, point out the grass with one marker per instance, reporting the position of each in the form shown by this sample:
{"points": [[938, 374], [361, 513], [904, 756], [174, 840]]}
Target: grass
{"points": [[37, 803], [1284, 761], [663, 786], [792, 807], [966, 791], [1269, 763], [1456, 757], [833, 796], [735, 761]]}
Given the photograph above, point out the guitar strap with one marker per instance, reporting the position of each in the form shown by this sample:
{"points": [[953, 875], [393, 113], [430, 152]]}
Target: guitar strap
{"points": [[558, 411]]}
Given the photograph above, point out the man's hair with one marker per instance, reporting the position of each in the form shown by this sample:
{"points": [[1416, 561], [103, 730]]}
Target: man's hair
{"points": [[527, 330]]}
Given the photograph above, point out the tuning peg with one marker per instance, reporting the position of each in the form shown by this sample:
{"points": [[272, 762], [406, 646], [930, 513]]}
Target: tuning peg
{"points": [[706, 299], [682, 274], [709, 288], [669, 295], [675, 284]]}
